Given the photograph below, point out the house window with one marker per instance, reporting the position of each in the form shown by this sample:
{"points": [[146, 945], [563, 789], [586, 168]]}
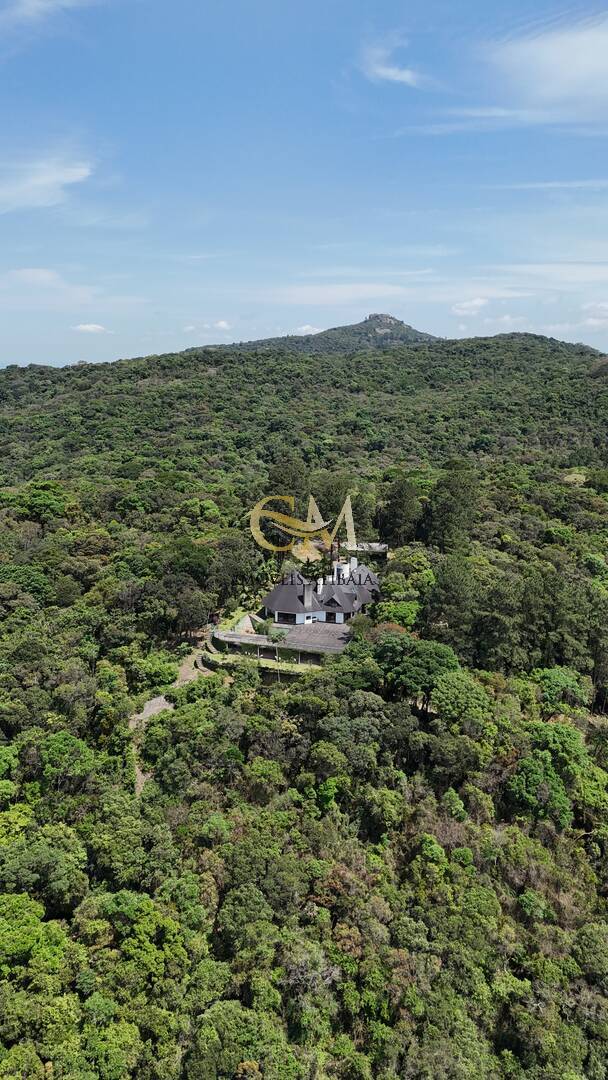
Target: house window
{"points": [[330, 616], [286, 617]]}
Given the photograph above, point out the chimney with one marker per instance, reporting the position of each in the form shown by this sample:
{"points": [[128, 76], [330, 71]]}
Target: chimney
{"points": [[308, 595]]}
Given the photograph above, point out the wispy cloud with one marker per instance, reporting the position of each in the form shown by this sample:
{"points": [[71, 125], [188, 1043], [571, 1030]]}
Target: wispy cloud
{"points": [[339, 293], [599, 309], [39, 182], [92, 328], [362, 271], [552, 76], [220, 324], [556, 185], [378, 64], [86, 216], [470, 307], [563, 69], [559, 274], [479, 119], [449, 290], [40, 288], [33, 11], [590, 322], [203, 257], [506, 321]]}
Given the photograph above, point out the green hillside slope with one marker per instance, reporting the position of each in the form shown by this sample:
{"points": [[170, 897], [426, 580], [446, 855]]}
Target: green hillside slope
{"points": [[392, 867]]}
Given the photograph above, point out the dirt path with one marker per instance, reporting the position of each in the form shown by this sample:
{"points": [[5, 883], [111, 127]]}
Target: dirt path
{"points": [[188, 671]]}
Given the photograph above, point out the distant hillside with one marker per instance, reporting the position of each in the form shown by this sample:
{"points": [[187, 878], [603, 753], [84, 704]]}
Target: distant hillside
{"points": [[519, 396], [375, 332]]}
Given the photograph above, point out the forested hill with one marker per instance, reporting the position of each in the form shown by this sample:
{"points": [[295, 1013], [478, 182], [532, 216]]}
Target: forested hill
{"points": [[375, 332], [393, 867], [513, 396]]}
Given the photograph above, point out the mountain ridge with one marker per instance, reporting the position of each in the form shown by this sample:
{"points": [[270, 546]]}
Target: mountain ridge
{"points": [[380, 333], [376, 331]]}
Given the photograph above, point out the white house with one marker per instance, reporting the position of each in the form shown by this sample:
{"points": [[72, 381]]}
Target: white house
{"points": [[335, 599]]}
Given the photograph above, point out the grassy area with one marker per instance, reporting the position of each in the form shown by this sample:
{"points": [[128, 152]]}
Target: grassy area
{"points": [[230, 622], [227, 660]]}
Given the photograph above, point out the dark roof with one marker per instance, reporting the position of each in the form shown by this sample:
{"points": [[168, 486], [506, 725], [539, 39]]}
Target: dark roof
{"points": [[348, 596], [290, 599], [362, 575], [364, 595], [344, 599]]}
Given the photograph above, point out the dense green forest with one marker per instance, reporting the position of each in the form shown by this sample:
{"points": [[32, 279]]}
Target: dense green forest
{"points": [[394, 867]]}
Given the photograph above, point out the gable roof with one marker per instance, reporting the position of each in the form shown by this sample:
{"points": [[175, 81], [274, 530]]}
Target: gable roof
{"points": [[348, 596], [339, 598], [290, 599], [362, 575]]}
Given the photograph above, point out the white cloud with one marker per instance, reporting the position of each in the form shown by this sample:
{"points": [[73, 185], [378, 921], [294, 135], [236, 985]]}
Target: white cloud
{"points": [[221, 324], [91, 328], [557, 329], [595, 314], [97, 217], [202, 257], [483, 118], [470, 307], [378, 65], [425, 251], [361, 271], [40, 182], [557, 185], [342, 293], [565, 69], [506, 320], [31, 11], [445, 290], [308, 329], [599, 309], [564, 274], [40, 289], [552, 75]]}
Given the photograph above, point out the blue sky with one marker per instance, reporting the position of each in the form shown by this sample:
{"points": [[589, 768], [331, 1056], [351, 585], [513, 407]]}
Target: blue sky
{"points": [[220, 170]]}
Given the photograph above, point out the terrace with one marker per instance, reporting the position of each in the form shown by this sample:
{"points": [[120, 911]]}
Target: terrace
{"points": [[304, 643]]}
